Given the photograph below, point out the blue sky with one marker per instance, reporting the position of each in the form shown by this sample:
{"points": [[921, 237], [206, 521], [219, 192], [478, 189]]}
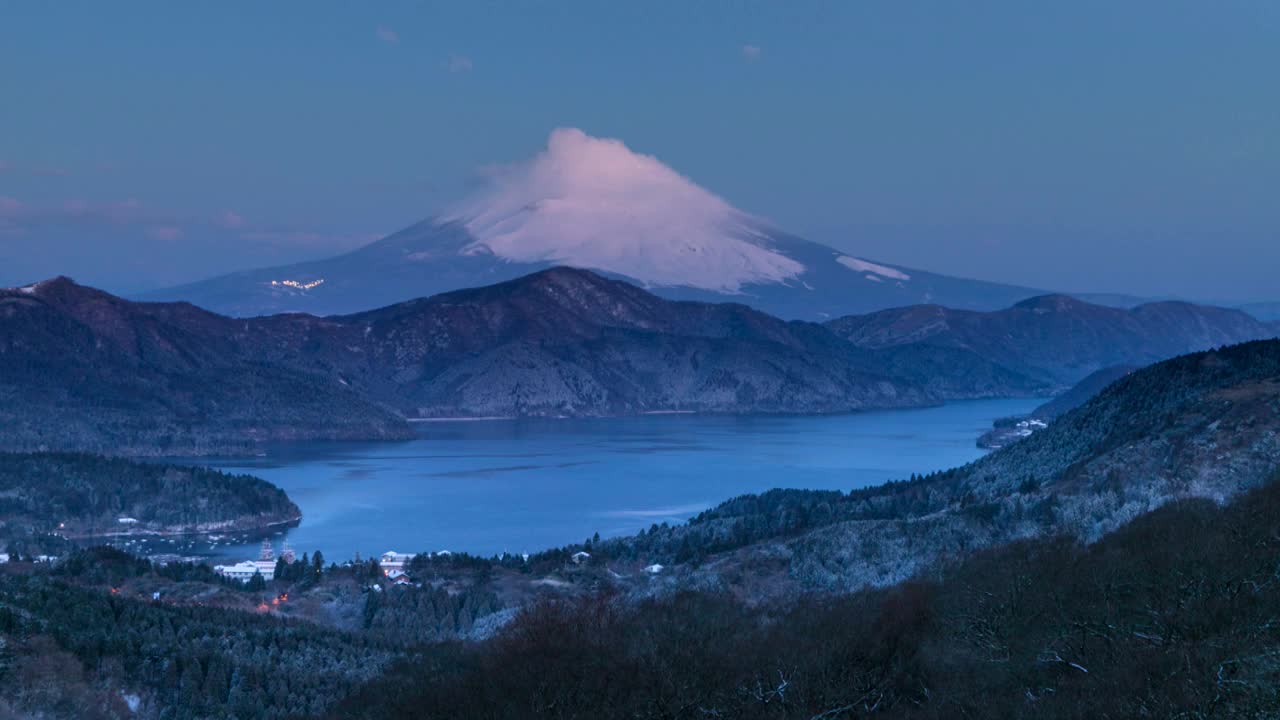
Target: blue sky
{"points": [[1094, 146]]}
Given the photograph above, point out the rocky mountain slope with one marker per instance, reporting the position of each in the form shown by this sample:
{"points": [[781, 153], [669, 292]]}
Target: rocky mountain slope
{"points": [[86, 370], [1058, 338], [593, 203]]}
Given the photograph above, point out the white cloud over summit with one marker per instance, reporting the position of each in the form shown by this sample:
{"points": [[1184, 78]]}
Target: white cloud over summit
{"points": [[593, 203]]}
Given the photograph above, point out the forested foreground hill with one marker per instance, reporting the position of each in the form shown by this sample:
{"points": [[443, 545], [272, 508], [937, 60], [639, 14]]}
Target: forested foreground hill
{"points": [[75, 495], [1171, 616], [86, 654]]}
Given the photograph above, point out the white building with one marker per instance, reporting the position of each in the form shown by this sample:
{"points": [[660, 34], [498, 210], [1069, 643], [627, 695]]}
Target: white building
{"points": [[580, 557], [392, 560], [243, 571]]}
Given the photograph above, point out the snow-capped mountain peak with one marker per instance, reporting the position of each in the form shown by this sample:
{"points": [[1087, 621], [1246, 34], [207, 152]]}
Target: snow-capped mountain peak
{"points": [[594, 203]]}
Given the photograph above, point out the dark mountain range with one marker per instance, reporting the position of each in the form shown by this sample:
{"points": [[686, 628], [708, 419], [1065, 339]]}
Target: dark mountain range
{"points": [[566, 341], [1058, 338], [86, 370], [81, 369], [560, 208]]}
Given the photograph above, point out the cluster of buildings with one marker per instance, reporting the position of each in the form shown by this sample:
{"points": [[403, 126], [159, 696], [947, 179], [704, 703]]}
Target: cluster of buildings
{"points": [[393, 565], [265, 565], [5, 557]]}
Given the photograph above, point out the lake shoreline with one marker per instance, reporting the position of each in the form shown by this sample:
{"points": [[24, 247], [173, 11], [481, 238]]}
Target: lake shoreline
{"points": [[527, 484]]}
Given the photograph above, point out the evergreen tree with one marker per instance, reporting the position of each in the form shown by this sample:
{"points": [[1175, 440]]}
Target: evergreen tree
{"points": [[256, 583]]}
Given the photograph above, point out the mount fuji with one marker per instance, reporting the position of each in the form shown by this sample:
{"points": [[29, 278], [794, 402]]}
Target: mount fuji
{"points": [[592, 203]]}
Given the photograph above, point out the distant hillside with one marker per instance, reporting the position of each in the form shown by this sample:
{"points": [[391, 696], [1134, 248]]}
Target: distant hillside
{"points": [[1058, 338], [1205, 425], [86, 370], [1265, 311], [1082, 392], [76, 495]]}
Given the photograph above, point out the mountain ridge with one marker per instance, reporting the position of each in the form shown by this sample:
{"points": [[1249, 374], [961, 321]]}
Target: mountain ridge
{"points": [[176, 378], [1056, 337], [96, 372]]}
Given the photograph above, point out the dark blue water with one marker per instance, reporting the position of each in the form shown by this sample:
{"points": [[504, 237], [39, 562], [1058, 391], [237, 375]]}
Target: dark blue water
{"points": [[526, 485]]}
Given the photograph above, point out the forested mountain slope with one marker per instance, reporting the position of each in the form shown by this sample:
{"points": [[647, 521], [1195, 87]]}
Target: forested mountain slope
{"points": [[76, 495], [1205, 425]]}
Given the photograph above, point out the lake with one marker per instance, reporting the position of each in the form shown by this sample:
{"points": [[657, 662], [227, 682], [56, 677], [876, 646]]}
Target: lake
{"points": [[525, 485]]}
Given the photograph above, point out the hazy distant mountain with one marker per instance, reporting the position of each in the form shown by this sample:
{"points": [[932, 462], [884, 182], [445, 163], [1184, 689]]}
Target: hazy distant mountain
{"points": [[1058, 338], [1266, 311], [83, 369], [591, 203]]}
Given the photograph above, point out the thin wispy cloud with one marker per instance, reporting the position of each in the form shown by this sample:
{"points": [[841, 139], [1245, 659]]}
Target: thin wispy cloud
{"points": [[165, 232], [34, 170], [751, 52], [230, 219], [293, 237], [459, 64], [132, 216], [387, 35]]}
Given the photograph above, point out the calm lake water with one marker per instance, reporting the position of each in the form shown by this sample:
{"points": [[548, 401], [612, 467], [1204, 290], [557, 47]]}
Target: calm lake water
{"points": [[525, 485]]}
